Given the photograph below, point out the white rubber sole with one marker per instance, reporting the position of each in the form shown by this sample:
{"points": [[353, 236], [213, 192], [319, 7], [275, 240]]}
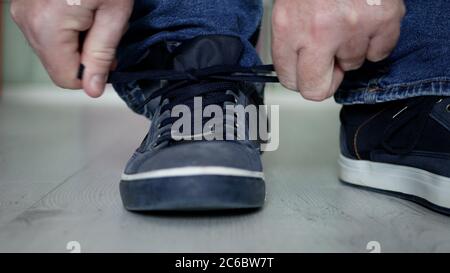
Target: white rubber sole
{"points": [[193, 171], [395, 178]]}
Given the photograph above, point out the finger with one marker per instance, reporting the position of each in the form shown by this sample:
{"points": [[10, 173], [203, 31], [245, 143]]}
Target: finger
{"points": [[318, 76], [98, 54], [60, 57], [284, 52], [285, 62], [352, 54], [383, 43]]}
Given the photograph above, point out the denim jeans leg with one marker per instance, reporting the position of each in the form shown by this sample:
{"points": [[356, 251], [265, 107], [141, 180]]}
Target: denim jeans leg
{"points": [[154, 21]]}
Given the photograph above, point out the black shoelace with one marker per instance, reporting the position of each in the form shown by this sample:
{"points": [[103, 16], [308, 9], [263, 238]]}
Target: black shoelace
{"points": [[212, 84]]}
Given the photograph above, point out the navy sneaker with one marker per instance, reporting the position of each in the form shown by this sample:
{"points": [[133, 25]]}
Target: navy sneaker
{"points": [[401, 148], [168, 174]]}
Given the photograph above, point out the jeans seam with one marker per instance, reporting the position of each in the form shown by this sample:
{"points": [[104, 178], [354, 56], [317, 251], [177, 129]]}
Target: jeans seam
{"points": [[374, 92]]}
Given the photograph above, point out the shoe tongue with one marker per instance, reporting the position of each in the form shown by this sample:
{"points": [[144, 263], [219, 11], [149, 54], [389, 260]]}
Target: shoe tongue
{"points": [[207, 51]]}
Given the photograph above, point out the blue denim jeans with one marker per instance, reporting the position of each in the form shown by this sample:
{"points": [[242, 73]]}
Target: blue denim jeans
{"points": [[419, 66], [155, 21]]}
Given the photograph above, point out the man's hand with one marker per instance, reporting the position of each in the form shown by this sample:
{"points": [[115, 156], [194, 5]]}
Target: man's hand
{"points": [[316, 41], [53, 29]]}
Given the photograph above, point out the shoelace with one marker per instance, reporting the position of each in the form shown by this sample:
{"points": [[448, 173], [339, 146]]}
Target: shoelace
{"points": [[212, 84], [417, 112]]}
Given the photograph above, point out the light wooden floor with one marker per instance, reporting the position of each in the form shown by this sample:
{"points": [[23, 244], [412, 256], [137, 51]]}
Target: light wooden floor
{"points": [[61, 156]]}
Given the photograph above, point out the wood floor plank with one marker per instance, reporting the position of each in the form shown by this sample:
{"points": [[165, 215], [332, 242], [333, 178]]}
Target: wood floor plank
{"points": [[307, 208]]}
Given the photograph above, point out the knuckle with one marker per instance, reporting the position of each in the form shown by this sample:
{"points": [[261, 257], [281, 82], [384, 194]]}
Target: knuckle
{"points": [[102, 56], [35, 23], [352, 18], [39, 21], [280, 21], [321, 25], [14, 12]]}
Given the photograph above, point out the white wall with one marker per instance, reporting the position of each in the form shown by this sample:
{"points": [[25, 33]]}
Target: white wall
{"points": [[20, 65]]}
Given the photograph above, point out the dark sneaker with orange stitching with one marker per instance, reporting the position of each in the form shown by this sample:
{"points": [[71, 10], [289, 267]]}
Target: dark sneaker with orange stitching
{"points": [[401, 148]]}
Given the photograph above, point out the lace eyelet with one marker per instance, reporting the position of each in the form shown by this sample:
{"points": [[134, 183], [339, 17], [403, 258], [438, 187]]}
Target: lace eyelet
{"points": [[448, 108]]}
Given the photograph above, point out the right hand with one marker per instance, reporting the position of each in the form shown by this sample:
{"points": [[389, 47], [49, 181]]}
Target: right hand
{"points": [[316, 41]]}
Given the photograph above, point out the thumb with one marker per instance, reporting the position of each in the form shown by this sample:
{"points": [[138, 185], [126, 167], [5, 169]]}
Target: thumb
{"points": [[99, 48]]}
